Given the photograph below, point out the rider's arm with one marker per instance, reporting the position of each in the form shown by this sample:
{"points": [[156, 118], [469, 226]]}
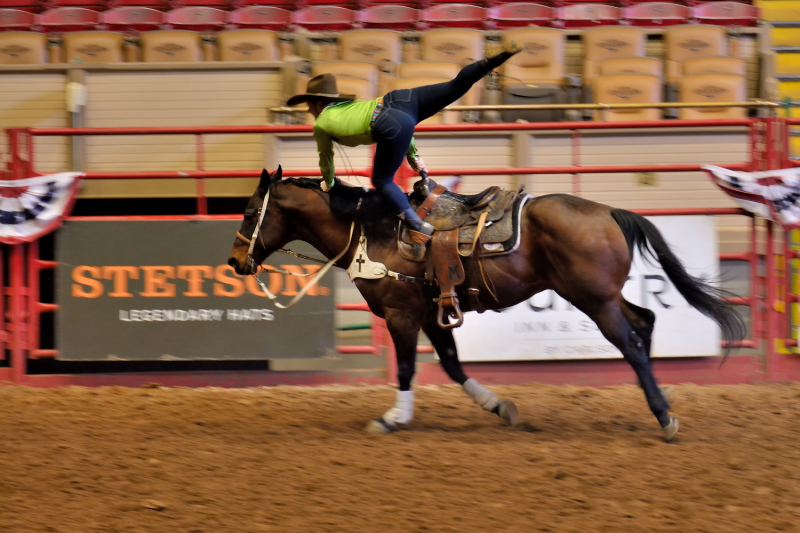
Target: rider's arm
{"points": [[325, 149], [413, 158]]}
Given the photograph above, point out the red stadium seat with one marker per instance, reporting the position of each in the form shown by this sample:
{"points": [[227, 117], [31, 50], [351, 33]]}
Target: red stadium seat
{"points": [[349, 4], [324, 18], [588, 15], [261, 17], [453, 16], [216, 4], [33, 6], [96, 5], [64, 19], [726, 14], [656, 14], [289, 5], [132, 19], [520, 14], [159, 5], [389, 17], [16, 20], [196, 18]]}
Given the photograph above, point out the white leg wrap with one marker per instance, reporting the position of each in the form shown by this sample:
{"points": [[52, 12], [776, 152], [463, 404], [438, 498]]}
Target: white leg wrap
{"points": [[403, 410], [482, 396]]}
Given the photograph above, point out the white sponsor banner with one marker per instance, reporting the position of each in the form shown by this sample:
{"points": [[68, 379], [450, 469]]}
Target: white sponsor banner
{"points": [[547, 327]]}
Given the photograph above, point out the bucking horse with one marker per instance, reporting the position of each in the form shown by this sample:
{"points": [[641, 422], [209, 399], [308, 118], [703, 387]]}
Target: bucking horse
{"points": [[580, 249]]}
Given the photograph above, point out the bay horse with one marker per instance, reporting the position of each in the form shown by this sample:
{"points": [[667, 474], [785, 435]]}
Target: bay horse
{"points": [[580, 249]]}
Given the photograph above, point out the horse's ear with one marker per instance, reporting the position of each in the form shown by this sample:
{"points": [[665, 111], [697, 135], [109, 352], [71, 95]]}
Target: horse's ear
{"points": [[264, 183], [278, 176]]}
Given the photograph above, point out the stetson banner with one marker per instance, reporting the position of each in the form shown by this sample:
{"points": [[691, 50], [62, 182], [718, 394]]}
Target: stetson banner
{"points": [[549, 327], [162, 290]]}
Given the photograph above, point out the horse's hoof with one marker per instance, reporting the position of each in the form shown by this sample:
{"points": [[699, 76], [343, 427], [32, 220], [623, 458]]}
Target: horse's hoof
{"points": [[378, 427], [671, 429], [508, 412]]}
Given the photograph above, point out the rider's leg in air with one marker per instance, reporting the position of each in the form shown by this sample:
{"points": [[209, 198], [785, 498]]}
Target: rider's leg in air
{"points": [[403, 110]]}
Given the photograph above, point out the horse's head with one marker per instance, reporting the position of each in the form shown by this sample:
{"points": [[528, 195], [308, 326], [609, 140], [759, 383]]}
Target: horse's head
{"points": [[263, 229]]}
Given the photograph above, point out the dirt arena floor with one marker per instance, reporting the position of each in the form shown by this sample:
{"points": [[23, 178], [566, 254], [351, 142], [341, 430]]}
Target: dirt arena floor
{"points": [[296, 459]]}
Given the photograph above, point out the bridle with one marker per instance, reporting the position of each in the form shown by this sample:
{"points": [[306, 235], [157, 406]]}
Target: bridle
{"points": [[251, 262]]}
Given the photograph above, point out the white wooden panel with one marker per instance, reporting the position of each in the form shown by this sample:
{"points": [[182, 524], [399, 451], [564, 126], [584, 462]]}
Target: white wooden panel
{"points": [[469, 152], [170, 98], [300, 153], [37, 100]]}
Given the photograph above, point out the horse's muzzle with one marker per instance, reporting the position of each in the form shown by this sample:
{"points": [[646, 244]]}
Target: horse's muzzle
{"points": [[245, 268]]}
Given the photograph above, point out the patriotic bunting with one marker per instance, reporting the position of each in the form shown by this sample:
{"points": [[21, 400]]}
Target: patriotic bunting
{"points": [[30, 208]]}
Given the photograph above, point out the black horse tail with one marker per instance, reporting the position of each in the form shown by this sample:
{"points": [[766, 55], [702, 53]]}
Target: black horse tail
{"points": [[708, 299]]}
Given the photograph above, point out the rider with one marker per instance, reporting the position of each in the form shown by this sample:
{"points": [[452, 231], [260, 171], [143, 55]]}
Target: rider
{"points": [[388, 122]]}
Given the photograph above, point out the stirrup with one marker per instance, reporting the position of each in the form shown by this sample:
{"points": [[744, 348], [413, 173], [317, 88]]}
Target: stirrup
{"points": [[419, 237]]}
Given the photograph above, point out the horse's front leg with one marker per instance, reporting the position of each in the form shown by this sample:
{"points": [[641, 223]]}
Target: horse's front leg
{"points": [[403, 326], [445, 345]]}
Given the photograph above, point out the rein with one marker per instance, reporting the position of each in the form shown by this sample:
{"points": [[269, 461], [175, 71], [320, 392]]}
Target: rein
{"points": [[321, 272]]}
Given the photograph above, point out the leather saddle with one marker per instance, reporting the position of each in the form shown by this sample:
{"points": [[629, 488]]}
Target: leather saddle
{"points": [[466, 226]]}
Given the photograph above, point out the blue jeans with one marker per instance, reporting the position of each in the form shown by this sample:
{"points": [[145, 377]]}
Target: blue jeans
{"points": [[402, 111]]}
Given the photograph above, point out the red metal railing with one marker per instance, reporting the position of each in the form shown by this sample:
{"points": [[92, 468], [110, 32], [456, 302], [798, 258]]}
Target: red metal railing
{"points": [[25, 307]]}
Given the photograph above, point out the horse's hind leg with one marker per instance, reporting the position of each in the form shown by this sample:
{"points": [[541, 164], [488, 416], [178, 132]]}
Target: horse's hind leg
{"points": [[611, 319], [643, 320], [445, 345]]}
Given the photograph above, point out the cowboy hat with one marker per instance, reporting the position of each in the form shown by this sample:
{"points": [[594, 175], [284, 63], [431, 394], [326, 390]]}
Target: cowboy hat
{"points": [[322, 87]]}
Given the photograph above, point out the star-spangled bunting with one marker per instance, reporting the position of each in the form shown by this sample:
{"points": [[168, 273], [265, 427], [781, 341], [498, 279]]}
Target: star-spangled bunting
{"points": [[772, 194], [32, 207]]}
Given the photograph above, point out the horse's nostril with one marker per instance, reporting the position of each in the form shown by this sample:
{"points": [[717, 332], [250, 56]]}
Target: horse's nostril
{"points": [[233, 262]]}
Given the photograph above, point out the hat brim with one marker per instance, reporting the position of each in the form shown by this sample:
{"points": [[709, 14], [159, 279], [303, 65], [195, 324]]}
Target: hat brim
{"points": [[302, 98]]}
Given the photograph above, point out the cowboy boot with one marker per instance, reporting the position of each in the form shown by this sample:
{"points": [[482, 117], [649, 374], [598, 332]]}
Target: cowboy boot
{"points": [[498, 55], [419, 230]]}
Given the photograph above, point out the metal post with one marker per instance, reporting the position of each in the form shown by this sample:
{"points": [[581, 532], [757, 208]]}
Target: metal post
{"points": [[17, 319], [202, 204]]}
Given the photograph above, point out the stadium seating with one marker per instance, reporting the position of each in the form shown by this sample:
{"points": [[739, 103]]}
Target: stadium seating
{"points": [[159, 5], [169, 46], [458, 45], [132, 19], [690, 41], [22, 48], [712, 87], [536, 75], [374, 46], [16, 20], [428, 69], [216, 4], [248, 45], [96, 5], [520, 14], [631, 65], [196, 18], [324, 18], [453, 16], [587, 15], [602, 43], [656, 14], [93, 47], [628, 89], [289, 5], [726, 14], [389, 17], [32, 6], [719, 64], [64, 19], [260, 17]]}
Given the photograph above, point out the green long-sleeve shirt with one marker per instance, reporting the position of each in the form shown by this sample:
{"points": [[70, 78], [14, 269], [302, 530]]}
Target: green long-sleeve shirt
{"points": [[348, 124]]}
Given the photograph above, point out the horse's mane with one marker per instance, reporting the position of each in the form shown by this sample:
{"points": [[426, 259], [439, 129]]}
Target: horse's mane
{"points": [[354, 203]]}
